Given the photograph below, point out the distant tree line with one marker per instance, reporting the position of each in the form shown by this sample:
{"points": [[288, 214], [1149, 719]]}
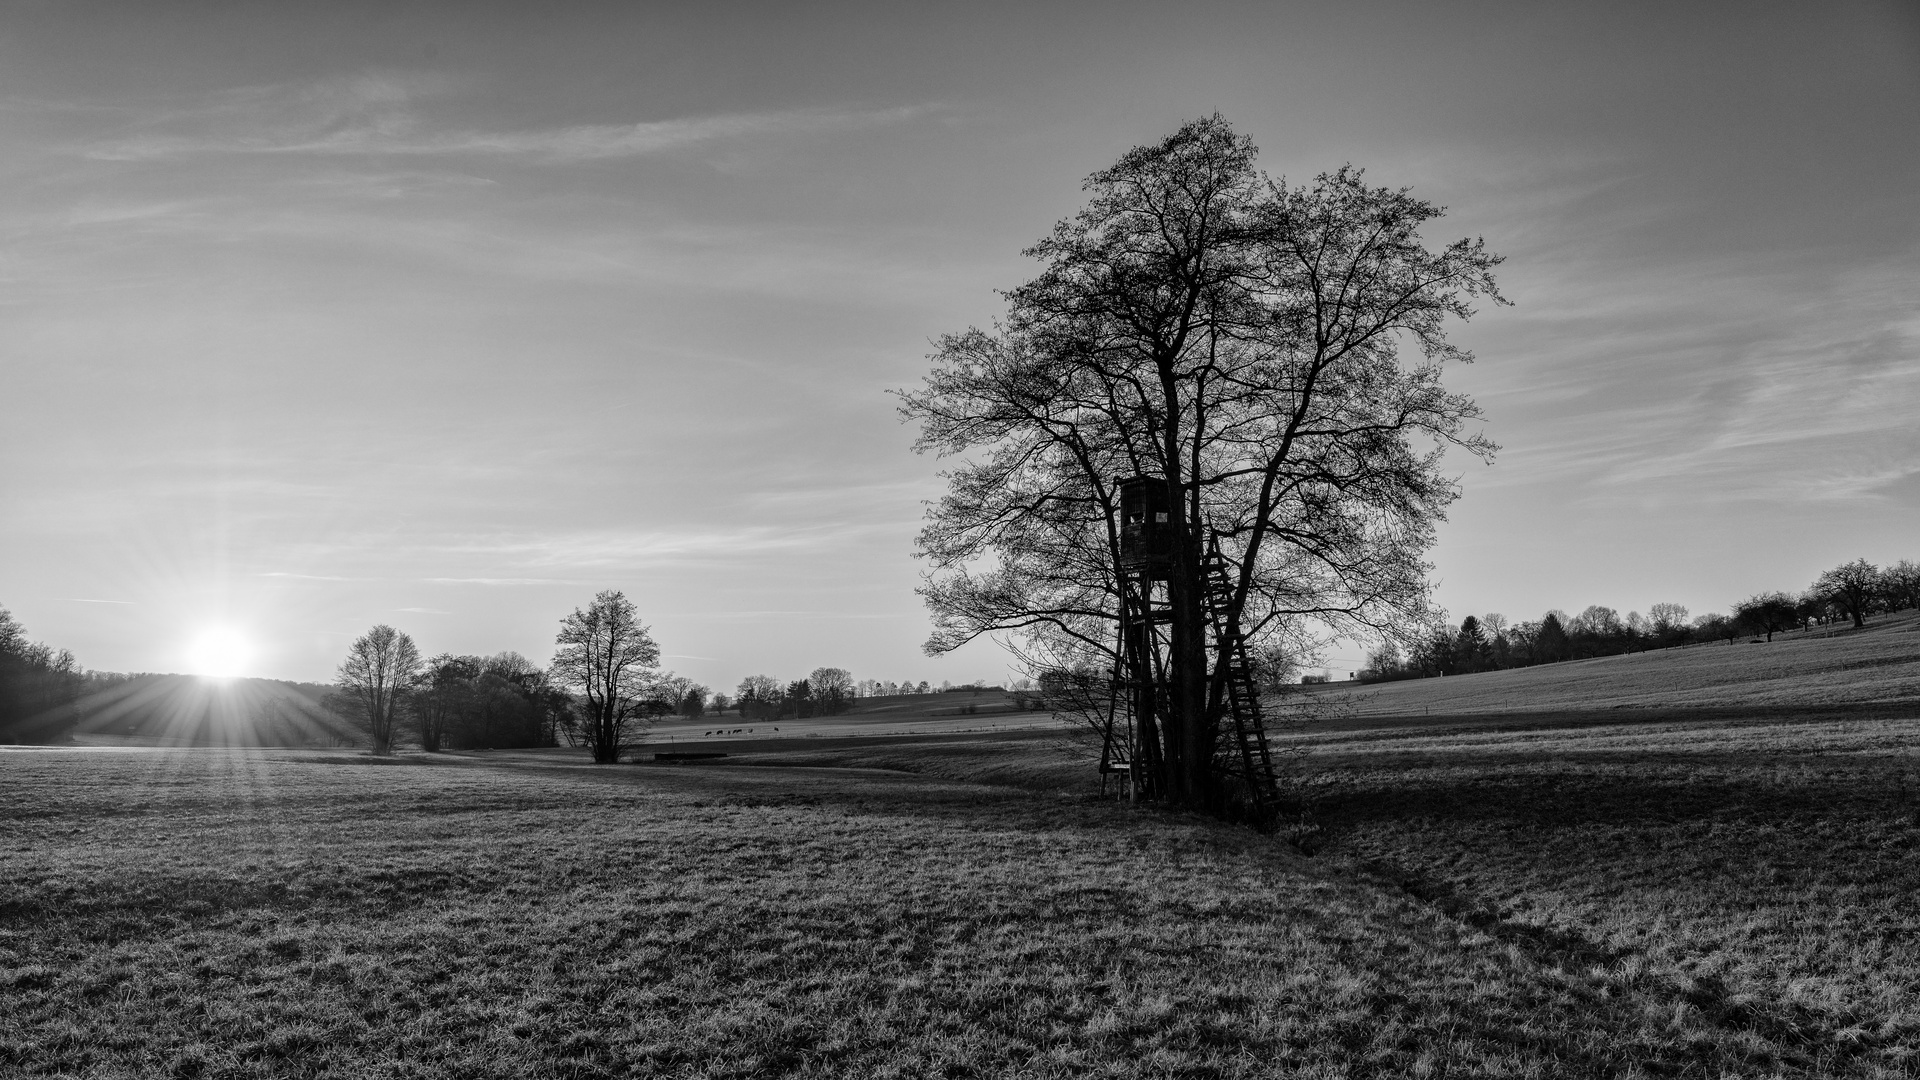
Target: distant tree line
{"points": [[602, 686], [884, 688], [829, 691], [499, 701], [40, 687], [1843, 596]]}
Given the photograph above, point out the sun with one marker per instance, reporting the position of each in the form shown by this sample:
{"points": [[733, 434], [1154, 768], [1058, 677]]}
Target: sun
{"points": [[219, 651]]}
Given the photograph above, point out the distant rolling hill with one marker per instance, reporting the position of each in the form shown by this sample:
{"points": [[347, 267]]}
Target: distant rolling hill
{"points": [[952, 704], [187, 710], [955, 711], [1875, 666]]}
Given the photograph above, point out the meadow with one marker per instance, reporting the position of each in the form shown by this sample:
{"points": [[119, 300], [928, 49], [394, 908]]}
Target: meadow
{"points": [[1626, 899]]}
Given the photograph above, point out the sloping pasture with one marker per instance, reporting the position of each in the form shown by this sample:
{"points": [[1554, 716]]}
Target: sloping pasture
{"points": [[1878, 665]]}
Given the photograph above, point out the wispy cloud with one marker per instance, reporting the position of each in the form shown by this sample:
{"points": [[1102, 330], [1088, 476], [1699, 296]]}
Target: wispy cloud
{"points": [[1711, 382], [500, 581], [588, 142], [613, 548], [386, 115]]}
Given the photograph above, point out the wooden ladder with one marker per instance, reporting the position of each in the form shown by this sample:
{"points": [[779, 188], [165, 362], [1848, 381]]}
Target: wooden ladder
{"points": [[1255, 766]]}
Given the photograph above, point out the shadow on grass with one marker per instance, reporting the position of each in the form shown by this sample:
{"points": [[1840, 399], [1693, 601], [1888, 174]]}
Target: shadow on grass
{"points": [[1757, 891]]}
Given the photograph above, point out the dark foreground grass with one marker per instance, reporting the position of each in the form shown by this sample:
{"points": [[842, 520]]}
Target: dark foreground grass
{"points": [[1758, 884], [235, 913]]}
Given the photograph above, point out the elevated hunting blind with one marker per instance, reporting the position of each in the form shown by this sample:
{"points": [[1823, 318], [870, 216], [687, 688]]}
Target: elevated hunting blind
{"points": [[1141, 708], [1146, 526]]}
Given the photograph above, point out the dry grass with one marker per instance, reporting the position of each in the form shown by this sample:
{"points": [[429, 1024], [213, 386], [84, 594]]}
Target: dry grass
{"points": [[1604, 902], [1751, 885]]}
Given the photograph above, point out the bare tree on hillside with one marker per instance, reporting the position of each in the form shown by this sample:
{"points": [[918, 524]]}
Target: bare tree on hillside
{"points": [[830, 687], [1766, 613], [381, 668], [1550, 641], [759, 695], [1900, 585], [610, 659], [1668, 619], [1852, 586], [1715, 625]]}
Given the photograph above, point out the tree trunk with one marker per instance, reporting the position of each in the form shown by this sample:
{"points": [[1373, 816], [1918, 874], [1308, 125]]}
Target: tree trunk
{"points": [[1189, 767], [606, 746]]}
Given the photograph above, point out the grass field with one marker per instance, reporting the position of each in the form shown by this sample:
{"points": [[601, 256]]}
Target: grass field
{"points": [[1656, 899], [917, 714], [1752, 886]]}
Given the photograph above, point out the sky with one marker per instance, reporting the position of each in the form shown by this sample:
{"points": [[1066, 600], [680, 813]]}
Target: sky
{"points": [[448, 316]]}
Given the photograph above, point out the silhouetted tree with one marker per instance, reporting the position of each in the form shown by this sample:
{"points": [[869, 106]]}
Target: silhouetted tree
{"points": [[1766, 613], [443, 697], [1900, 585], [1434, 655], [1237, 339], [693, 701], [1596, 631], [1470, 651], [1669, 623], [1384, 663], [830, 687], [507, 702], [799, 699], [1853, 587], [377, 677], [670, 693], [1499, 645], [1551, 644], [1639, 631], [609, 658], [1709, 627], [759, 696], [40, 688], [1812, 608]]}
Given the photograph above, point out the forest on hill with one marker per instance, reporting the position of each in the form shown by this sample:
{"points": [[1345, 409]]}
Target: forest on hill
{"points": [[1845, 596]]}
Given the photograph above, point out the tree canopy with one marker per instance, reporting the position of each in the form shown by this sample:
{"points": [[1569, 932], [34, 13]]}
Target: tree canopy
{"points": [[1242, 340], [378, 675], [611, 659]]}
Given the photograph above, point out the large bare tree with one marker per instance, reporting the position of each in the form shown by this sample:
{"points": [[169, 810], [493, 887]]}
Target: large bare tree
{"points": [[382, 666], [1853, 587], [831, 688], [611, 660], [1241, 340]]}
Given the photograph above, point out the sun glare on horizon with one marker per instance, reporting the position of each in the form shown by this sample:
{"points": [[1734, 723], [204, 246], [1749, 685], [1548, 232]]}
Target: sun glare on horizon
{"points": [[219, 652]]}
